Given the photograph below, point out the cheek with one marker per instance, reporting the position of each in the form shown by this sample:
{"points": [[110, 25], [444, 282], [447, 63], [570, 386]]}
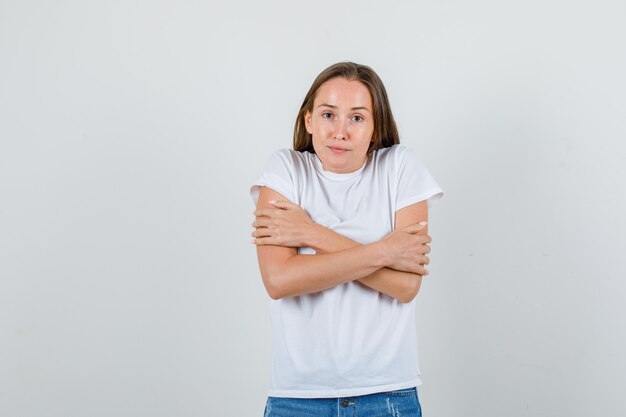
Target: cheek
{"points": [[316, 138], [367, 133], [322, 129], [317, 146]]}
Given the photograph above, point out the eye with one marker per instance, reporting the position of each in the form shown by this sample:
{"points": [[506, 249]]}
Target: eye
{"points": [[325, 114], [360, 118]]}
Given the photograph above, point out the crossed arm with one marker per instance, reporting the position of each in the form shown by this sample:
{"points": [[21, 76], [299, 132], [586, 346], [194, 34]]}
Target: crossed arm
{"points": [[393, 266]]}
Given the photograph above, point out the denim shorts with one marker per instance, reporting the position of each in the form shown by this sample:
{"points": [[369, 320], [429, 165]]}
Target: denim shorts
{"points": [[399, 403]]}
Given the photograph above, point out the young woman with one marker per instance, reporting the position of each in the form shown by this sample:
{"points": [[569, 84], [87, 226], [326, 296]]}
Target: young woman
{"points": [[342, 242]]}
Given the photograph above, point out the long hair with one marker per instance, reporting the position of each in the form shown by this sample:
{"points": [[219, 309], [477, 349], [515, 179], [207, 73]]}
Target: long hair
{"points": [[385, 129]]}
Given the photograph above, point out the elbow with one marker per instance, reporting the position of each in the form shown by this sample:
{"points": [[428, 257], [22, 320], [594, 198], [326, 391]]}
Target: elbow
{"points": [[407, 298], [274, 289], [277, 279], [274, 293], [274, 296], [412, 290]]}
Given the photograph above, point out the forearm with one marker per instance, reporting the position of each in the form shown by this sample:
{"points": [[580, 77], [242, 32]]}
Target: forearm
{"points": [[301, 274], [397, 284]]}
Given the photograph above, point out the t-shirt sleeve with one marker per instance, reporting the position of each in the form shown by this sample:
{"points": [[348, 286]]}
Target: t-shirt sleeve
{"points": [[277, 174], [414, 180]]}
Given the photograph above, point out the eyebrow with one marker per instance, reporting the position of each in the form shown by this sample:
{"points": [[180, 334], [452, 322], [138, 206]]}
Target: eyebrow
{"points": [[353, 108]]}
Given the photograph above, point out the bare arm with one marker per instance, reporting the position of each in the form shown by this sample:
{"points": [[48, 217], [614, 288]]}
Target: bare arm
{"points": [[285, 273], [398, 284], [292, 275]]}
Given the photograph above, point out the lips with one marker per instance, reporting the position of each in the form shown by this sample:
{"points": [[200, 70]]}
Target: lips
{"points": [[337, 149]]}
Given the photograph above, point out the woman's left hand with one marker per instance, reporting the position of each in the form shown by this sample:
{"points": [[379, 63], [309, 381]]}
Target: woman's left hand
{"points": [[286, 225]]}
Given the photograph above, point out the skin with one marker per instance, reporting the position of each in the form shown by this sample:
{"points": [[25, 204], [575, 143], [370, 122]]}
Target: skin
{"points": [[341, 118], [289, 226]]}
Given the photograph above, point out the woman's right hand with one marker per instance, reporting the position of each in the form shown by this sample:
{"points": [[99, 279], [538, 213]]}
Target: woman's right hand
{"points": [[406, 250]]}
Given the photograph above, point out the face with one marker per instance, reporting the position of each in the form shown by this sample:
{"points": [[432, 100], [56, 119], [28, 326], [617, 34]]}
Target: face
{"points": [[342, 124]]}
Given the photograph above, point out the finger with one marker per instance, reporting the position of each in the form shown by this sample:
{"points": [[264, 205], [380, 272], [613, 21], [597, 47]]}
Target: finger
{"points": [[416, 227], [261, 232], [261, 222], [283, 204], [424, 239], [422, 271], [260, 241], [424, 260], [412, 228], [265, 212]]}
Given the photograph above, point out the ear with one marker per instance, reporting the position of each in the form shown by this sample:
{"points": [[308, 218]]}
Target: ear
{"points": [[307, 122]]}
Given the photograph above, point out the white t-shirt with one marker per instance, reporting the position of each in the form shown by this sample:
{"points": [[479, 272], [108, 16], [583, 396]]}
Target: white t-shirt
{"points": [[350, 339]]}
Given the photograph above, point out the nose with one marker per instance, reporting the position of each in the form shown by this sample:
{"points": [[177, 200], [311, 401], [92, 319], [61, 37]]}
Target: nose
{"points": [[341, 132]]}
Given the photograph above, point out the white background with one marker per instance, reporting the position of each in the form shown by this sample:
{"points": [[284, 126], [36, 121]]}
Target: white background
{"points": [[131, 131]]}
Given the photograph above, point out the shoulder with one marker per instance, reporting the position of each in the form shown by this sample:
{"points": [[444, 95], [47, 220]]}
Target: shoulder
{"points": [[396, 156], [282, 171], [394, 151], [288, 158], [412, 178], [283, 155]]}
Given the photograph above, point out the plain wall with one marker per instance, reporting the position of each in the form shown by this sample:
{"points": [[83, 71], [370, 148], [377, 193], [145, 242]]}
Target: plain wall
{"points": [[130, 133]]}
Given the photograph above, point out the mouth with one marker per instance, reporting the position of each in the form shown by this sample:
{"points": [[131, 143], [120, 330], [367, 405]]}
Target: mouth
{"points": [[337, 149]]}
